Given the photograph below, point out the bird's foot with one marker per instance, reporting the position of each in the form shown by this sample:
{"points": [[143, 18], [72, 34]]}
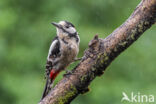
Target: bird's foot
{"points": [[68, 72]]}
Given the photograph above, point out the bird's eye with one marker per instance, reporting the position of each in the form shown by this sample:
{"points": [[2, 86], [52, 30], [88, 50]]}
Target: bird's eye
{"points": [[67, 26]]}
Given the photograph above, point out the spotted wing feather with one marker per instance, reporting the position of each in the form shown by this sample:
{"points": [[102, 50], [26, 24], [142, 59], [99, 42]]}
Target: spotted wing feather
{"points": [[54, 52]]}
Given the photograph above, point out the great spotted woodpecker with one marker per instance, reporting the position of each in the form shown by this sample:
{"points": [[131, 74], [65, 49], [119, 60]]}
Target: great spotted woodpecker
{"points": [[63, 50]]}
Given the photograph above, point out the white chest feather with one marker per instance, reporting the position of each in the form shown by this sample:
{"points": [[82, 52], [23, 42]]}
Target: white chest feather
{"points": [[70, 48]]}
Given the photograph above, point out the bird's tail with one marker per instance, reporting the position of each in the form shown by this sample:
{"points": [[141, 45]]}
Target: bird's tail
{"points": [[49, 82], [47, 88]]}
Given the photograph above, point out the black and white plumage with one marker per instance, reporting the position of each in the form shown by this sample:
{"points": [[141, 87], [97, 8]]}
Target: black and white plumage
{"points": [[63, 50]]}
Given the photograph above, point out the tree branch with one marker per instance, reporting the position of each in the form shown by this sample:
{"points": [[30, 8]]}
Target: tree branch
{"points": [[101, 53]]}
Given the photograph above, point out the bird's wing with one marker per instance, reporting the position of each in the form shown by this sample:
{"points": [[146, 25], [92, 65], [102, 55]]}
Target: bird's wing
{"points": [[54, 52], [54, 48]]}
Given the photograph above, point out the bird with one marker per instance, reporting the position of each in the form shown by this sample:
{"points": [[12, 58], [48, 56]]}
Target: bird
{"points": [[63, 51]]}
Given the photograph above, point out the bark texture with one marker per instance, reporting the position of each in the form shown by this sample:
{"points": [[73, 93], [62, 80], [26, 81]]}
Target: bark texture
{"points": [[101, 53]]}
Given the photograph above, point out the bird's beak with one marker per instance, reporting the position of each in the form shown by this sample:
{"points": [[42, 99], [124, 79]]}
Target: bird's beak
{"points": [[56, 24]]}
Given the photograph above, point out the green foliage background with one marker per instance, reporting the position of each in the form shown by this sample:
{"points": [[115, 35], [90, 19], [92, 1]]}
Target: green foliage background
{"points": [[26, 34]]}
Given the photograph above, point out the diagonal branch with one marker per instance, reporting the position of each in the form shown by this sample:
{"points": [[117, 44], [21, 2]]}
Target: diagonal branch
{"points": [[101, 53]]}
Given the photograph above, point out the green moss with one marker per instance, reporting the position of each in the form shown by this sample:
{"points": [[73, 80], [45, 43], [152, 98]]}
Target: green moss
{"points": [[134, 31], [105, 54], [93, 69], [99, 56], [106, 58], [123, 43], [102, 61], [146, 23], [69, 94], [140, 27], [132, 37], [103, 58], [115, 49], [92, 76], [82, 78]]}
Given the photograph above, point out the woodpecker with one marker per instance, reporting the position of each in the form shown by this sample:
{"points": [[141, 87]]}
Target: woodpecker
{"points": [[63, 51]]}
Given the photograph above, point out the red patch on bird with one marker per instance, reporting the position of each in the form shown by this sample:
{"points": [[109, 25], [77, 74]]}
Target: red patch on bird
{"points": [[53, 74]]}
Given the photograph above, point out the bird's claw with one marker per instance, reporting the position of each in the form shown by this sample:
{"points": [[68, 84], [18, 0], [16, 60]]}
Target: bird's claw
{"points": [[68, 72]]}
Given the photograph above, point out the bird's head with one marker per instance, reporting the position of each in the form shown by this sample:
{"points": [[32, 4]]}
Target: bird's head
{"points": [[65, 28]]}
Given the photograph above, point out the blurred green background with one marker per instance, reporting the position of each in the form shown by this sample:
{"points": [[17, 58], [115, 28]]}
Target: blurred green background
{"points": [[26, 34]]}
